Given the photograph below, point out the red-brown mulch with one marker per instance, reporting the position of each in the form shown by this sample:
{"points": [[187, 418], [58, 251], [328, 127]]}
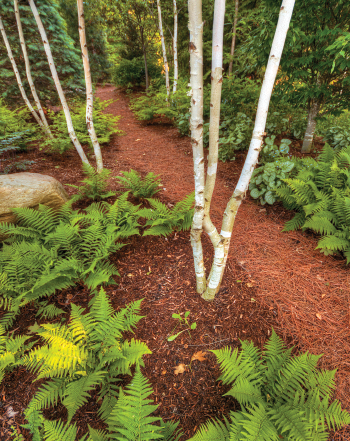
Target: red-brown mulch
{"points": [[272, 279]]}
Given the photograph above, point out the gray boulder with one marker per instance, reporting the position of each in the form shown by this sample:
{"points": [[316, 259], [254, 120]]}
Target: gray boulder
{"points": [[28, 190]]}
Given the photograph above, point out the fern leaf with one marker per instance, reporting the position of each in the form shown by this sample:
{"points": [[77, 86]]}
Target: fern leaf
{"points": [[97, 435], [291, 421], [169, 431], [214, 430], [58, 431], [257, 425], [245, 392], [77, 392], [130, 418], [47, 395], [295, 223], [320, 225]]}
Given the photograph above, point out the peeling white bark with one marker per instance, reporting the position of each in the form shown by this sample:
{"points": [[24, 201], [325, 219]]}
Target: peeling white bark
{"points": [[176, 69], [59, 89], [18, 77], [234, 203], [88, 85], [311, 126], [233, 42], [195, 26], [166, 66], [28, 72]]}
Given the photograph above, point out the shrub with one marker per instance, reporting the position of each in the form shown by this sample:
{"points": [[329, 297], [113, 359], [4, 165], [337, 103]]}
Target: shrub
{"points": [[105, 126], [320, 193], [95, 185], [140, 188], [280, 396], [266, 179], [335, 129], [133, 72]]}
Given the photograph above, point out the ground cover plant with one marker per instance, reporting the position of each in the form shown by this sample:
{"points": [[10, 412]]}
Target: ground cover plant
{"points": [[140, 188]]}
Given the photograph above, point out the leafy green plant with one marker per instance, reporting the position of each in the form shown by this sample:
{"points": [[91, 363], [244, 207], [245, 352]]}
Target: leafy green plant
{"points": [[320, 193], [162, 220], [133, 72], [105, 126], [276, 123], [335, 129], [49, 250], [270, 151], [268, 178], [140, 188], [182, 322], [95, 185], [281, 396]]}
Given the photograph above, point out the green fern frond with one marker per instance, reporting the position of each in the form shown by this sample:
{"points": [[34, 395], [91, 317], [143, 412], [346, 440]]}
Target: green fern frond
{"points": [[47, 395], [169, 431], [330, 244], [76, 393], [257, 425], [130, 418], [48, 311], [58, 431], [291, 421], [320, 225], [214, 430], [140, 188], [97, 435], [295, 223]]}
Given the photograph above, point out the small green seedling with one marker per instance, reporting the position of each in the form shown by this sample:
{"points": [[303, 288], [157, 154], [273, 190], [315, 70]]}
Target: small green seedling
{"points": [[182, 322]]}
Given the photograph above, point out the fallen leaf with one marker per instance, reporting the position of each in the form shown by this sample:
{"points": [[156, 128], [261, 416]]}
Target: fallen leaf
{"points": [[200, 356], [319, 316], [130, 275], [250, 284], [138, 139], [33, 329], [241, 316], [185, 346], [10, 412], [323, 295], [169, 255], [180, 369], [252, 300], [163, 372]]}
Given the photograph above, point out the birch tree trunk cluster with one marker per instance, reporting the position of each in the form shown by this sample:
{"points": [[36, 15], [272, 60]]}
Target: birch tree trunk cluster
{"points": [[204, 184], [40, 116]]}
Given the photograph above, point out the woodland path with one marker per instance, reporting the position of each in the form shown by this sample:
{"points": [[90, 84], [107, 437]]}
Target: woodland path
{"points": [[309, 292]]}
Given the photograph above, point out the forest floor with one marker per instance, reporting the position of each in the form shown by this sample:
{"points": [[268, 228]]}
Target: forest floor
{"points": [[273, 279]]}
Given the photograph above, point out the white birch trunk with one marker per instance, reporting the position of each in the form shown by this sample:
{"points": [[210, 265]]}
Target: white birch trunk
{"points": [[28, 72], [221, 251], [166, 66], [18, 77], [176, 73], [311, 126], [88, 85], [233, 42], [59, 89], [196, 124]]}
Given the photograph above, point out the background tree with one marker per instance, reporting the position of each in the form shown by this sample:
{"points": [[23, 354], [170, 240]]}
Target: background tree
{"points": [[96, 36], [66, 57], [233, 42]]}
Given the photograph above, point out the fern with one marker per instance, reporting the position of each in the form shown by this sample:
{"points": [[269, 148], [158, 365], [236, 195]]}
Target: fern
{"points": [[140, 188], [86, 353], [280, 396], [321, 195], [95, 185], [162, 220]]}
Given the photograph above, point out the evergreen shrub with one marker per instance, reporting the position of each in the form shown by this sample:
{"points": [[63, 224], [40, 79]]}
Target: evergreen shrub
{"points": [[132, 72]]}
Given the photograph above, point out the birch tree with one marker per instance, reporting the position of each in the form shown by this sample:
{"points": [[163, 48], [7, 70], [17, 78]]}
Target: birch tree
{"points": [[59, 89], [221, 241], [88, 86], [176, 68], [28, 72], [18, 77], [161, 33], [233, 42]]}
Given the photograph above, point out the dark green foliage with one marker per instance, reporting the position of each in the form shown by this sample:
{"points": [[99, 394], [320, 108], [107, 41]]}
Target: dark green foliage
{"points": [[105, 126], [47, 250], [280, 396], [132, 72], [67, 58], [162, 220], [320, 193], [140, 188], [335, 130], [95, 185]]}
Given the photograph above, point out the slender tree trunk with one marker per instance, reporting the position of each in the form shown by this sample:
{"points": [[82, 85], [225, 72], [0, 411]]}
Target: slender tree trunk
{"points": [[18, 77], [176, 73], [215, 101], [88, 85], [233, 43], [222, 242], [166, 66], [65, 107], [145, 59], [29, 75], [196, 124], [311, 125]]}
